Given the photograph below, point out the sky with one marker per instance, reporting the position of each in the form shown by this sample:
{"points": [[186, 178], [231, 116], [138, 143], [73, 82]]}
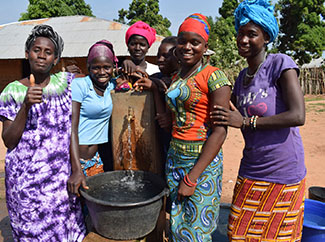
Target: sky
{"points": [[175, 10]]}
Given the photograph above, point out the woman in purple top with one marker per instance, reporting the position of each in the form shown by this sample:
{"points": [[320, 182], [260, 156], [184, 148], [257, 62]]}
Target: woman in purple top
{"points": [[268, 196], [36, 120]]}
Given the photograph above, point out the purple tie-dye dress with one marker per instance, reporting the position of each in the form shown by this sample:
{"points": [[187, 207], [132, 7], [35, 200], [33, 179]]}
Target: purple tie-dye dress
{"points": [[37, 169]]}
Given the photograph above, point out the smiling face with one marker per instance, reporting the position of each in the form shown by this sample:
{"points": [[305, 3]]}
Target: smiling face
{"points": [[251, 40], [41, 55], [101, 70], [166, 60], [138, 47], [190, 48]]}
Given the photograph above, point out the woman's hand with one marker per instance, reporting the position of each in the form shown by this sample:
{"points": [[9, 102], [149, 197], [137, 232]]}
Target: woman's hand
{"points": [[33, 95], [76, 180], [229, 117], [120, 81], [184, 191], [129, 67], [73, 69], [144, 83]]}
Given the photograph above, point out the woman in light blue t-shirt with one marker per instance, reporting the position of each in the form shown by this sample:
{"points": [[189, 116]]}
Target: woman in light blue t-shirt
{"points": [[91, 111]]}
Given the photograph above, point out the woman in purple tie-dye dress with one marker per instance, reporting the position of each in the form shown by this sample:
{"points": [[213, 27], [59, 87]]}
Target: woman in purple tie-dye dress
{"points": [[36, 130]]}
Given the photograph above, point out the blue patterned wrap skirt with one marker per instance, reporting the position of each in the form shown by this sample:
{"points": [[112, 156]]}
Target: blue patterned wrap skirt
{"points": [[196, 217]]}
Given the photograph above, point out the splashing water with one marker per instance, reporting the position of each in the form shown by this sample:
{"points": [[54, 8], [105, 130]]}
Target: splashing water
{"points": [[130, 145]]}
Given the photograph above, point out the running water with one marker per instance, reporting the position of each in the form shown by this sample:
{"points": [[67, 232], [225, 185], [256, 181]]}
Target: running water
{"points": [[130, 146], [130, 119]]}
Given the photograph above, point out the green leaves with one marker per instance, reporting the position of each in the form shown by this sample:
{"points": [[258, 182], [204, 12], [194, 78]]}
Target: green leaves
{"points": [[55, 8], [146, 11], [302, 29]]}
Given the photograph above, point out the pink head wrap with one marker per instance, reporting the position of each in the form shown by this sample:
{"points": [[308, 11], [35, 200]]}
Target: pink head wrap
{"points": [[143, 29], [102, 48]]}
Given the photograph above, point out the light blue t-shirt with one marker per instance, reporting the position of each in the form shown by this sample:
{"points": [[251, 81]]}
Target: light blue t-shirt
{"points": [[95, 110]]}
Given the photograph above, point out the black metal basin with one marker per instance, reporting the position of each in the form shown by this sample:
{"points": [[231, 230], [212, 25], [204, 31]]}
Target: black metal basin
{"points": [[317, 193], [124, 205]]}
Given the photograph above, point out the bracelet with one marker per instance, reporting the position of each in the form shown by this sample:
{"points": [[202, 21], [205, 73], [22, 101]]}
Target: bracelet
{"points": [[252, 122], [244, 123], [188, 182]]}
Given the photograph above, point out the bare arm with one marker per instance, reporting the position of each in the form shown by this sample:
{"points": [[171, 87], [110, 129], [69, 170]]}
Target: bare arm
{"points": [[294, 100], [293, 116], [77, 177], [213, 144]]}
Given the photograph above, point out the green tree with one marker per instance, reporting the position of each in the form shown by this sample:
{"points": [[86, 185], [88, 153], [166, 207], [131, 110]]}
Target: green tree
{"points": [[146, 11], [228, 8], [222, 41], [302, 29], [55, 8]]}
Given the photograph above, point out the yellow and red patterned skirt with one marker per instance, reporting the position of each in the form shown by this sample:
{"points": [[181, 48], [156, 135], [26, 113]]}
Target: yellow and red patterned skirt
{"points": [[266, 212]]}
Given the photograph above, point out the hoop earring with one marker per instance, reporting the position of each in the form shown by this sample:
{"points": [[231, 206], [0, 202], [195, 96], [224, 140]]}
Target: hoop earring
{"points": [[174, 54]]}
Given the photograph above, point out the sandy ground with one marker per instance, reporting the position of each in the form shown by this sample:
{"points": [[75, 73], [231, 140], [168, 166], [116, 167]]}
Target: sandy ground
{"points": [[313, 135]]}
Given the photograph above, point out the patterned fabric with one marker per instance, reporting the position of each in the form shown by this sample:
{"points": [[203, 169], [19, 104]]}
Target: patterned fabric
{"points": [[189, 101], [196, 217], [266, 212], [92, 166], [196, 23], [37, 169]]}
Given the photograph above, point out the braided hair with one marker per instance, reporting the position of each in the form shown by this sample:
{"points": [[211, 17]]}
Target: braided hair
{"points": [[46, 31]]}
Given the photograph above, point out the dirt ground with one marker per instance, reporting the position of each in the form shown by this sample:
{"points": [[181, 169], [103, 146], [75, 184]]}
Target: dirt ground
{"points": [[313, 135]]}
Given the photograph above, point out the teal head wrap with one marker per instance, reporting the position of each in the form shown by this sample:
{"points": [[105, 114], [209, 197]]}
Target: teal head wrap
{"points": [[261, 13]]}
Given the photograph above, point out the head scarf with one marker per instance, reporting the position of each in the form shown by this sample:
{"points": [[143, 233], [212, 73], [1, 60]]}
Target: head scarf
{"points": [[143, 29], [102, 48], [46, 31], [261, 13], [196, 23]]}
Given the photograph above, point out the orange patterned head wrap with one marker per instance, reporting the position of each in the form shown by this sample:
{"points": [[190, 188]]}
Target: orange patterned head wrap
{"points": [[196, 23]]}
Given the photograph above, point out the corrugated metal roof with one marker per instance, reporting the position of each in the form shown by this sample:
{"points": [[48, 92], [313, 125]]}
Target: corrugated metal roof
{"points": [[78, 33]]}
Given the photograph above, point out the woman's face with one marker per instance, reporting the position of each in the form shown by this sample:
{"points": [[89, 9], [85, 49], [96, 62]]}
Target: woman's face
{"points": [[190, 48], [251, 40], [138, 47], [101, 69], [166, 60], [41, 55]]}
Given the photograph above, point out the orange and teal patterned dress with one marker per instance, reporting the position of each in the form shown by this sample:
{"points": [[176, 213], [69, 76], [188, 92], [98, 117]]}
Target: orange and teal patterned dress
{"points": [[196, 217]]}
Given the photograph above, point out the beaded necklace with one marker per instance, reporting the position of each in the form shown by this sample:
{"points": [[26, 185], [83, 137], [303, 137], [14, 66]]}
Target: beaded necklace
{"points": [[254, 74], [249, 77]]}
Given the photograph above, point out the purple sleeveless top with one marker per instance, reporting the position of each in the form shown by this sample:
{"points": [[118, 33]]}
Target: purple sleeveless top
{"points": [[270, 155]]}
